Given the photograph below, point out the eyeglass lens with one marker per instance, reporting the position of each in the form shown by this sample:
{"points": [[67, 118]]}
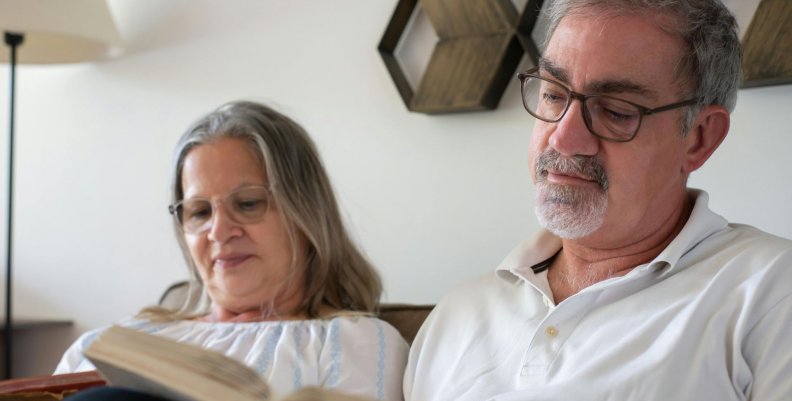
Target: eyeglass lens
{"points": [[605, 116], [245, 206]]}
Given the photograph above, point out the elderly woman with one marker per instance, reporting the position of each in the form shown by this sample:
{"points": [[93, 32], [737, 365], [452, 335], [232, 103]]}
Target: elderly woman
{"points": [[276, 281]]}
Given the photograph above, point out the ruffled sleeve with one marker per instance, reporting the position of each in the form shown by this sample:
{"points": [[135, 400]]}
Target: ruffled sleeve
{"points": [[73, 359], [364, 356]]}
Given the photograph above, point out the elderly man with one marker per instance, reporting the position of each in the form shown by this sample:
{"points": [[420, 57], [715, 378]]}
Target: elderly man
{"points": [[635, 290]]}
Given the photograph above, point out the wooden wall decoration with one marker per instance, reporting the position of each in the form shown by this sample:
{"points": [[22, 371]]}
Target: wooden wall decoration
{"points": [[767, 45], [480, 44]]}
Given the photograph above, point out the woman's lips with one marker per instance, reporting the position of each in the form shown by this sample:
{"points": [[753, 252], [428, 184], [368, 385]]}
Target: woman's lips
{"points": [[230, 261]]}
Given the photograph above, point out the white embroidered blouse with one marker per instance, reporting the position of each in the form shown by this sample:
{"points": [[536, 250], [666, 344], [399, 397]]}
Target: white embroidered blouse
{"points": [[358, 355]]}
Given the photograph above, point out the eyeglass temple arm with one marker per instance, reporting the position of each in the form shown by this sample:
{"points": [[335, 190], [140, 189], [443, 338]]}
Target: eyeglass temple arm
{"points": [[676, 105]]}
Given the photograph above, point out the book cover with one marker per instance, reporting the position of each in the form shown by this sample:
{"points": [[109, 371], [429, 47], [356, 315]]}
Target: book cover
{"points": [[48, 388]]}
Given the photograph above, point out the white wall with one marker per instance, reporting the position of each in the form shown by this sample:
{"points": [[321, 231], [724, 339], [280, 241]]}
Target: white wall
{"points": [[433, 200]]}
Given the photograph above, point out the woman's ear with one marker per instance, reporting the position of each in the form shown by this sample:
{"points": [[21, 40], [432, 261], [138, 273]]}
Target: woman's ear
{"points": [[708, 131]]}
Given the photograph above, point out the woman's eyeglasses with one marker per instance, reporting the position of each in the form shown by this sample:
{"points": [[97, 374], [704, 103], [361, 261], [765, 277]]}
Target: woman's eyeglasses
{"points": [[246, 205]]}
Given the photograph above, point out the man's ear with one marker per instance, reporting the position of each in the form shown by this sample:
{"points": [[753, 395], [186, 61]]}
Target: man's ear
{"points": [[708, 131]]}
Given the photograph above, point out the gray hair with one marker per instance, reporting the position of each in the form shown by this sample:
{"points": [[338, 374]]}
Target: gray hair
{"points": [[336, 273], [712, 64]]}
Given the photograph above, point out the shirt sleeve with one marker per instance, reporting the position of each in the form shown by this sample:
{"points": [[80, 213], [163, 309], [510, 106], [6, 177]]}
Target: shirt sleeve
{"points": [[425, 352], [364, 356], [766, 349], [73, 359]]}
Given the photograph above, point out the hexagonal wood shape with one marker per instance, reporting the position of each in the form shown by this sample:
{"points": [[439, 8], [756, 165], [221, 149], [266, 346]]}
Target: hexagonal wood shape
{"points": [[480, 43]]}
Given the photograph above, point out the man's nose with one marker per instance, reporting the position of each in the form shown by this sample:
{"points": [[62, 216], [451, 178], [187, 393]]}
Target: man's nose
{"points": [[571, 135]]}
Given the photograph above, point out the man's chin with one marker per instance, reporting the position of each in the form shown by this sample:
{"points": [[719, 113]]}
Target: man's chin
{"points": [[568, 233], [568, 221]]}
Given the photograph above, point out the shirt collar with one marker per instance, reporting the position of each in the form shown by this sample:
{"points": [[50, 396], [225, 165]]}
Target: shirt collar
{"points": [[533, 255], [701, 224], [530, 257]]}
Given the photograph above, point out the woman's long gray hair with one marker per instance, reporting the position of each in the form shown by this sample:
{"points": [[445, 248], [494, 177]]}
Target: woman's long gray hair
{"points": [[335, 273]]}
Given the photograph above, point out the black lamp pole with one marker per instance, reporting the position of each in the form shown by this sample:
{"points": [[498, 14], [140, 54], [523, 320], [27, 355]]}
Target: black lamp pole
{"points": [[13, 40]]}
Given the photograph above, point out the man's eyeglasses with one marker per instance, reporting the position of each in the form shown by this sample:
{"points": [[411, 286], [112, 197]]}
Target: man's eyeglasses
{"points": [[606, 117], [246, 205]]}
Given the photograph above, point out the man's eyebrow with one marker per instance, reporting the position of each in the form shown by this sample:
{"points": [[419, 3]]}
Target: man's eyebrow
{"points": [[554, 70], [600, 87], [620, 86]]}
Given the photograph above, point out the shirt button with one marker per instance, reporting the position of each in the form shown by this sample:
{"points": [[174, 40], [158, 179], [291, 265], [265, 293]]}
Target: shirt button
{"points": [[551, 331], [546, 301]]}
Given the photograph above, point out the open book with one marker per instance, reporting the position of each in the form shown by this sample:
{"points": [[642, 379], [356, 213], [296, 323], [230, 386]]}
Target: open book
{"points": [[160, 366], [163, 367]]}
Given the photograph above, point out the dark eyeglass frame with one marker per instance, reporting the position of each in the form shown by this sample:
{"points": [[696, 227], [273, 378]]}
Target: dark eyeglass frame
{"points": [[642, 110], [175, 208]]}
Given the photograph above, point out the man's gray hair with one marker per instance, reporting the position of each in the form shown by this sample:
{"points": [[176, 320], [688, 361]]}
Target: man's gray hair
{"points": [[712, 63]]}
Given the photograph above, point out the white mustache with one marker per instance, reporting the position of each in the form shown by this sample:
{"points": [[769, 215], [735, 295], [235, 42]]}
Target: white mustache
{"points": [[586, 166]]}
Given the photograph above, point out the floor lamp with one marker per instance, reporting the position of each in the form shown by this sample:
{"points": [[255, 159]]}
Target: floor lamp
{"points": [[45, 32]]}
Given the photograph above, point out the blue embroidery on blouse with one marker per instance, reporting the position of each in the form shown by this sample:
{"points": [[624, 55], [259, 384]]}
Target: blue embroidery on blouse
{"points": [[297, 351], [269, 350], [335, 353], [381, 362]]}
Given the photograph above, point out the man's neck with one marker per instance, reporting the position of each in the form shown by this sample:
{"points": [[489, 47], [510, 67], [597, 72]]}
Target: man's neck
{"points": [[578, 266]]}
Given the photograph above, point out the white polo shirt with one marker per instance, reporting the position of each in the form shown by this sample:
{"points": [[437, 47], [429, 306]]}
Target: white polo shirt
{"points": [[710, 318]]}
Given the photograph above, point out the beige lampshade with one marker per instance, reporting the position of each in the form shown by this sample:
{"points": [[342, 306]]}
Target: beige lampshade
{"points": [[60, 31]]}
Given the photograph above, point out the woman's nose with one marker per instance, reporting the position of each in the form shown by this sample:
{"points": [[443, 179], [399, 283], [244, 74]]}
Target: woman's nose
{"points": [[224, 226]]}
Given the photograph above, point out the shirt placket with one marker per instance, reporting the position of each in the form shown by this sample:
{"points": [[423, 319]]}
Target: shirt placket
{"points": [[550, 335]]}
